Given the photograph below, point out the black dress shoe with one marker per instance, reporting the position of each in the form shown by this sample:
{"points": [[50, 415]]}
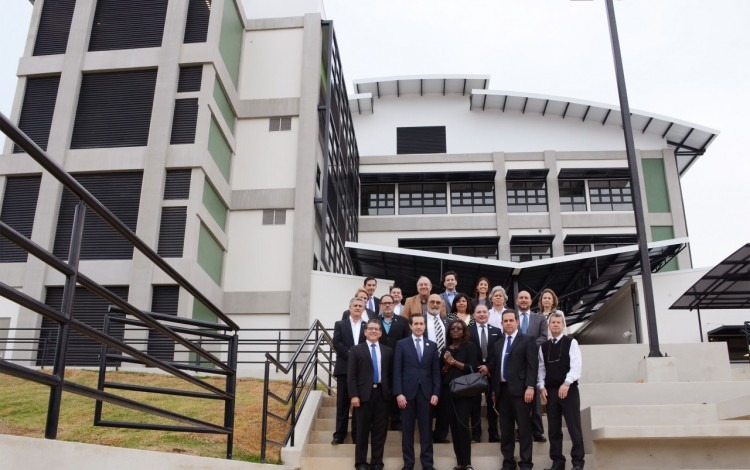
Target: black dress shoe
{"points": [[441, 441], [362, 467], [540, 438], [494, 438], [336, 442], [396, 427]]}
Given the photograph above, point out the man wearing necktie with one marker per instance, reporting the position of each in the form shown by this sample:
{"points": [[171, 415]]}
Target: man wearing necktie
{"points": [[368, 375], [484, 336], [436, 331], [513, 363], [373, 303], [535, 326]]}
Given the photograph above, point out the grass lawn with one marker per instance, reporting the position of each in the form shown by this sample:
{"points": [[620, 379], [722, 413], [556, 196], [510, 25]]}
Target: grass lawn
{"points": [[23, 412]]}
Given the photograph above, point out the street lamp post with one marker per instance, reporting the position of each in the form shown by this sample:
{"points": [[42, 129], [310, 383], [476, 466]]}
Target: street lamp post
{"points": [[635, 184]]}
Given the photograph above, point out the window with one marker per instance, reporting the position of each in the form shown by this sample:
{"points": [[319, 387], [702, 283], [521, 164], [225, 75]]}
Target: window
{"points": [[575, 244], [610, 195], [472, 197], [274, 217], [477, 247], [572, 195], [427, 139], [114, 109], [527, 196], [486, 252], [378, 199], [521, 253], [280, 124], [422, 198], [127, 25]]}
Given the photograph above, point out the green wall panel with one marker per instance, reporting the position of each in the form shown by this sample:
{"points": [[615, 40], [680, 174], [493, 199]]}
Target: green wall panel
{"points": [[655, 178], [230, 40], [664, 232], [223, 103], [215, 205], [210, 254], [219, 149]]}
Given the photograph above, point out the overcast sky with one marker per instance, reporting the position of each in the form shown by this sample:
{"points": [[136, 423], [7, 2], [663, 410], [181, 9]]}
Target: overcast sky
{"points": [[685, 59]]}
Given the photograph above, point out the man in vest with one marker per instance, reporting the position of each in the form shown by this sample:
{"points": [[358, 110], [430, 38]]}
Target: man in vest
{"points": [[559, 371]]}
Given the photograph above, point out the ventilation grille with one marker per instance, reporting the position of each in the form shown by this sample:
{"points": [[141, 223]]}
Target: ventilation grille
{"points": [[190, 79], [114, 109], [172, 231], [120, 193], [38, 107], [89, 309], [164, 301], [177, 185], [196, 28], [184, 121], [420, 140], [130, 24], [54, 27], [19, 206]]}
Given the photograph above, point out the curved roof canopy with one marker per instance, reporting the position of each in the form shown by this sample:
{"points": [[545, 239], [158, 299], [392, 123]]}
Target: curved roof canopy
{"points": [[688, 140]]}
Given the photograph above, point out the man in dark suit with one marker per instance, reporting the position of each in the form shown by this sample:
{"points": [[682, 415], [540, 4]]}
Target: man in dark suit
{"points": [[416, 384], [436, 330], [373, 303], [534, 325], [368, 375], [346, 334], [394, 328], [484, 336], [514, 363], [450, 281]]}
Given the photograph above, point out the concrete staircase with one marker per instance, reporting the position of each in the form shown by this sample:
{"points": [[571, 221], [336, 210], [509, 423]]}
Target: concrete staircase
{"points": [[319, 454]]}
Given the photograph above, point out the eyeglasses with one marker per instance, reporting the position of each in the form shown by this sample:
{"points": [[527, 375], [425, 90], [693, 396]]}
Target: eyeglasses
{"points": [[435, 302], [386, 303]]}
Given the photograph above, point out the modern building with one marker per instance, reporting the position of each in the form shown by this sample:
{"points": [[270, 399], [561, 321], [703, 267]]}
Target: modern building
{"points": [[226, 138], [225, 142]]}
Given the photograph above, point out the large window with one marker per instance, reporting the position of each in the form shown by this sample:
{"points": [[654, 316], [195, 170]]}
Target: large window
{"points": [[378, 199], [573, 195], [477, 247], [422, 198], [575, 244], [428, 198], [472, 197], [530, 248], [527, 196], [610, 195]]}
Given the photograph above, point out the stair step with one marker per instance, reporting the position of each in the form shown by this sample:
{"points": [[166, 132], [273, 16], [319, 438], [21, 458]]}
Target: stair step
{"points": [[441, 462], [393, 437]]}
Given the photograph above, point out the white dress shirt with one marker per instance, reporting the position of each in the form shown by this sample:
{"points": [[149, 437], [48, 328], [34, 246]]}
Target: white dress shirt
{"points": [[356, 328], [575, 363]]}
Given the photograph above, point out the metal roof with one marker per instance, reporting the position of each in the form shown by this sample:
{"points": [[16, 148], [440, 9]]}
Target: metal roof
{"points": [[725, 286], [583, 281], [689, 140]]}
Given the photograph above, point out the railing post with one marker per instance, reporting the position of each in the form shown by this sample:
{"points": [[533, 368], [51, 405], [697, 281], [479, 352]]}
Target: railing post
{"points": [[229, 405], [102, 372], [264, 418], [295, 384], [58, 370]]}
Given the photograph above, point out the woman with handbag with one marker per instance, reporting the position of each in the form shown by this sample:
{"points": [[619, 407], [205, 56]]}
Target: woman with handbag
{"points": [[460, 358]]}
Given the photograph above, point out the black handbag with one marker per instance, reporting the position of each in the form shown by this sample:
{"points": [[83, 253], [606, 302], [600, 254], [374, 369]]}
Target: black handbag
{"points": [[469, 385]]}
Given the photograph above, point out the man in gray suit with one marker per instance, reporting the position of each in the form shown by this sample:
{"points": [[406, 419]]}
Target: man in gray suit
{"points": [[533, 325], [450, 281]]}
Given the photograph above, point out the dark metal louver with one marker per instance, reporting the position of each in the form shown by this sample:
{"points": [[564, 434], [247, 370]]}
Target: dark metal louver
{"points": [[19, 206], [172, 232], [120, 193], [184, 121], [89, 309], [38, 107], [130, 24], [164, 301], [190, 79], [54, 27], [114, 109], [177, 184], [196, 27], [427, 139]]}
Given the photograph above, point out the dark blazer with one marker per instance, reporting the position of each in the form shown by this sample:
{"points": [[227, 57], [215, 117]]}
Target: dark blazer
{"points": [[343, 341], [370, 314], [448, 305], [494, 334], [359, 372], [537, 327], [522, 366], [409, 373], [400, 329], [376, 300]]}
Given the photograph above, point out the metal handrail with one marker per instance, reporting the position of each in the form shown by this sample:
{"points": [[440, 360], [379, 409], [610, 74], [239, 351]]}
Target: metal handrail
{"points": [[125, 352], [317, 344]]}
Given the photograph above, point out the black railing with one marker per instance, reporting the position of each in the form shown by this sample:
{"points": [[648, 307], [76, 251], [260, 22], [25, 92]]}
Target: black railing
{"points": [[310, 366], [222, 361]]}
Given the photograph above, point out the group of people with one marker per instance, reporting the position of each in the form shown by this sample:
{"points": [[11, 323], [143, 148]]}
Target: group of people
{"points": [[396, 362]]}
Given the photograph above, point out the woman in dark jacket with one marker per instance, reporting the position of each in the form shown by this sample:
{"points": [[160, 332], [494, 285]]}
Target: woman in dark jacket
{"points": [[460, 358]]}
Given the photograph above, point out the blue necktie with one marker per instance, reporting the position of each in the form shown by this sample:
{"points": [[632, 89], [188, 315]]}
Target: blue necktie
{"points": [[374, 364], [508, 341], [524, 323], [419, 349]]}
